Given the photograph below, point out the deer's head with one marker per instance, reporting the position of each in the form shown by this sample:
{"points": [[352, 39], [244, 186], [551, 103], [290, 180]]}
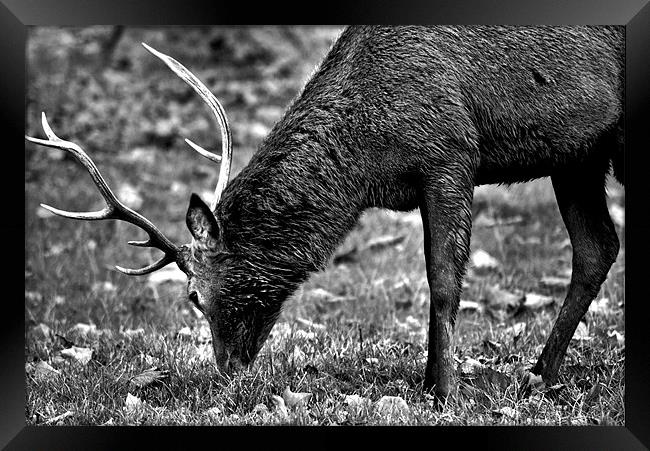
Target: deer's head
{"points": [[239, 318], [220, 286]]}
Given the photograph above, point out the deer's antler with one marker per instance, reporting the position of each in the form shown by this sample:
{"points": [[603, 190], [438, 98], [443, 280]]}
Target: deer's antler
{"points": [[114, 208], [219, 114]]}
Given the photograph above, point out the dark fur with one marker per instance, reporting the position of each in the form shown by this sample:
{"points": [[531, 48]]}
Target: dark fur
{"points": [[407, 117]]}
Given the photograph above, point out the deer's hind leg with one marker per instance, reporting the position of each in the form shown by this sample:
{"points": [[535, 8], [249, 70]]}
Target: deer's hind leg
{"points": [[582, 201]]}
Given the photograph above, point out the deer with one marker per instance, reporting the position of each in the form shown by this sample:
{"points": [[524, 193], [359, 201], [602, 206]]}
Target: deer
{"points": [[400, 118]]}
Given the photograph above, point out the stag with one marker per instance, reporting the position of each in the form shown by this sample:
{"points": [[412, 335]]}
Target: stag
{"points": [[401, 118]]}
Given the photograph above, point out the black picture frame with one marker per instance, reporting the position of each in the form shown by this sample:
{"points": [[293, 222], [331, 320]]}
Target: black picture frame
{"points": [[17, 15]]}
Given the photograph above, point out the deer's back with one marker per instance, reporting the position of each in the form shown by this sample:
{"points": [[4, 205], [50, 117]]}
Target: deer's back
{"points": [[526, 99]]}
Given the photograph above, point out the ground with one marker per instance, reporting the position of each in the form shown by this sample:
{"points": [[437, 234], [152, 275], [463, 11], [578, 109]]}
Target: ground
{"points": [[356, 328]]}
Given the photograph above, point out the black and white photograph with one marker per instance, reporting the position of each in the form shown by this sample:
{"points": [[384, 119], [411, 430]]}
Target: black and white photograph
{"points": [[325, 225]]}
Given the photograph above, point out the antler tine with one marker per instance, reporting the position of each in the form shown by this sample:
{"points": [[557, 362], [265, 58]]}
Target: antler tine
{"points": [[114, 208], [87, 216], [219, 114], [209, 155], [163, 261]]}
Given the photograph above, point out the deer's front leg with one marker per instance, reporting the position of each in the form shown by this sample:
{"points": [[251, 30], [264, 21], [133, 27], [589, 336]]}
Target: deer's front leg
{"points": [[445, 206]]}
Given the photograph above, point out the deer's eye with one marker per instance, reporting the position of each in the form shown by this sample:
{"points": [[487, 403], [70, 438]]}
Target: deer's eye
{"points": [[194, 297]]}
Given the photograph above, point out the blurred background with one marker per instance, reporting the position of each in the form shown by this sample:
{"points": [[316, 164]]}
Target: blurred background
{"points": [[102, 89]]}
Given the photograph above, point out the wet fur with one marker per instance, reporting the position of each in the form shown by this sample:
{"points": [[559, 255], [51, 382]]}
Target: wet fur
{"points": [[407, 117]]}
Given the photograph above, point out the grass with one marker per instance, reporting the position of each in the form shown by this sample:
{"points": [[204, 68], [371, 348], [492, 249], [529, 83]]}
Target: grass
{"points": [[369, 325]]}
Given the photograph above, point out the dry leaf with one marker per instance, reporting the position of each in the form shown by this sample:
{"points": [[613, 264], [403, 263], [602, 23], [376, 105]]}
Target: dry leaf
{"points": [[482, 376], [149, 360], [356, 401], [41, 370], [184, 332], [392, 405], [58, 360], [600, 306], [534, 301], [506, 412], [57, 419], [148, 377], [86, 331], [133, 332], [202, 352], [132, 403], [81, 355], [307, 323], [260, 409], [319, 294], [582, 332], [305, 335], [482, 260], [234, 418], [325, 299], [292, 399], [470, 305], [499, 299], [280, 406], [516, 330], [535, 381], [470, 367], [214, 413]]}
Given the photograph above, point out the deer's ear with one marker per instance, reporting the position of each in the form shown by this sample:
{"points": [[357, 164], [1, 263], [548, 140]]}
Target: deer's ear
{"points": [[201, 222]]}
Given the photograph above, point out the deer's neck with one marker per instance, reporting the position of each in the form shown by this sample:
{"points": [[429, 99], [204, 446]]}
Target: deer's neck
{"points": [[295, 202]]}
